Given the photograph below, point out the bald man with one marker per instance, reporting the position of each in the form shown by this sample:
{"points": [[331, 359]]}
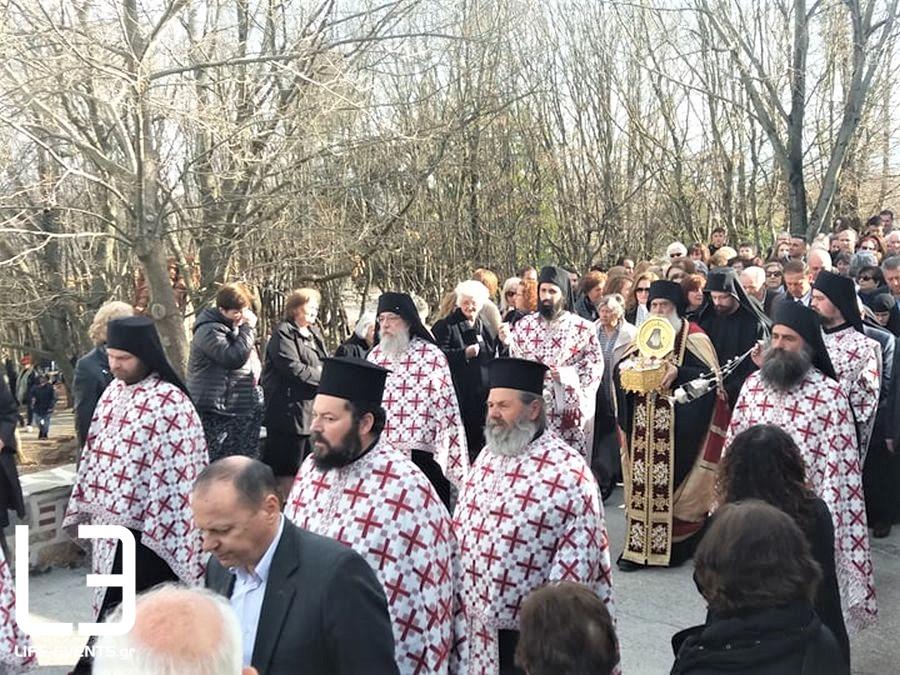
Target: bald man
{"points": [[176, 629]]}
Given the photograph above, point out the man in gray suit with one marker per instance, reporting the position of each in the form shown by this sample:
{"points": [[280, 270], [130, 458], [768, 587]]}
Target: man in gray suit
{"points": [[305, 603]]}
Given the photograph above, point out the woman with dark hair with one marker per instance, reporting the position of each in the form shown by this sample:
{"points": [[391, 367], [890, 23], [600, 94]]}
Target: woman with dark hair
{"points": [[636, 311], [755, 571], [764, 463], [870, 280], [692, 286], [873, 243]]}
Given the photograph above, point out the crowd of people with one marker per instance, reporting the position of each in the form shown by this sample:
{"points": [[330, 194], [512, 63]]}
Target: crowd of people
{"points": [[429, 499]]}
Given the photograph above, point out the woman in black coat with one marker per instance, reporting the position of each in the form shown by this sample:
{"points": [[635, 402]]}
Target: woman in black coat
{"points": [[469, 345], [290, 378], [756, 573], [764, 463]]}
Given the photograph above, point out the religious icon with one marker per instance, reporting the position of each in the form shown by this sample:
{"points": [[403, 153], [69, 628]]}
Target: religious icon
{"points": [[655, 341]]}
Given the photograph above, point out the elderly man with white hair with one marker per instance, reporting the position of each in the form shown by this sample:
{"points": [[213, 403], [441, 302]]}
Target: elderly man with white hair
{"points": [[362, 339], [190, 631], [892, 243], [753, 279], [818, 259], [470, 344]]}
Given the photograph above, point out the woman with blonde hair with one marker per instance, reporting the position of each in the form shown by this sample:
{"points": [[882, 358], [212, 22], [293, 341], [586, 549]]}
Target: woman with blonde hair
{"points": [[508, 296], [290, 378], [92, 370]]}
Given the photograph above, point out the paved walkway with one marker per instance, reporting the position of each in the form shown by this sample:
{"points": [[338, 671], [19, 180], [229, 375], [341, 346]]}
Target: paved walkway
{"points": [[652, 605]]}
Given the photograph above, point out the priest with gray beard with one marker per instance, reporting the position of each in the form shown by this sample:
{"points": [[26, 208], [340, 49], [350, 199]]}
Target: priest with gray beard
{"points": [[528, 514], [796, 389], [672, 451], [423, 416]]}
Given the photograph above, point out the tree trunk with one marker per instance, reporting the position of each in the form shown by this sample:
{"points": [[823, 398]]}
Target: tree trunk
{"points": [[163, 308]]}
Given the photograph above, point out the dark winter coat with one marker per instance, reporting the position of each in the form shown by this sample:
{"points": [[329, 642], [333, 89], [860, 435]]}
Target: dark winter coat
{"points": [[219, 376], [470, 376], [43, 399], [354, 347], [10, 489], [789, 640], [586, 309], [290, 377], [92, 376]]}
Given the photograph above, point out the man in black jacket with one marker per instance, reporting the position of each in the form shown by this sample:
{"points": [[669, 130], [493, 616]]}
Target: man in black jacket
{"points": [[305, 603]]}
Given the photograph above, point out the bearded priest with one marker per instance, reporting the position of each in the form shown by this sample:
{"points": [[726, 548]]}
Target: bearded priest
{"points": [[672, 448]]}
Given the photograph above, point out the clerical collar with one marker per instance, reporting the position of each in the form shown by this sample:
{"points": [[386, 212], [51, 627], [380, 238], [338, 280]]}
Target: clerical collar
{"points": [[836, 329]]}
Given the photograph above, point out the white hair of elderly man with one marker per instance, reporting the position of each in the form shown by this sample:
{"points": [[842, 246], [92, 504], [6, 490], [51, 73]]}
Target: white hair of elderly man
{"points": [[177, 631]]}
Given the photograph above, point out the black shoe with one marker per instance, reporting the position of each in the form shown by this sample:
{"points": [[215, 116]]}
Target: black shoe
{"points": [[628, 565], [881, 530], [606, 491]]}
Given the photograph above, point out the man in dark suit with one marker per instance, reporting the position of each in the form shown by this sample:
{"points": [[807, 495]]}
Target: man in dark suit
{"points": [[305, 603]]}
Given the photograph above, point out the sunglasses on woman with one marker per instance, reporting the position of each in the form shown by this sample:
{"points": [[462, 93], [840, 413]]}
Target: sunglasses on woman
{"points": [[642, 289], [866, 277]]}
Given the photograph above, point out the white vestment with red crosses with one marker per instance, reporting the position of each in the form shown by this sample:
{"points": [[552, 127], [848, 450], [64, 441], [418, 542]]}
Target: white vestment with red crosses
{"points": [[144, 449], [16, 652], [383, 507], [570, 345], [522, 522], [857, 363], [421, 406], [817, 416]]}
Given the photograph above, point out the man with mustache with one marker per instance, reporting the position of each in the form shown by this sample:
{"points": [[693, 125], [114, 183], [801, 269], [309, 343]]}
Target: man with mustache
{"points": [[423, 415], [568, 346], [529, 514], [359, 489], [796, 389], [672, 450]]}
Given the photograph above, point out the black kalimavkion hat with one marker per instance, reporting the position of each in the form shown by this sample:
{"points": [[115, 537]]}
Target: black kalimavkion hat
{"points": [[842, 293], [807, 324], [137, 335], [560, 278], [402, 305], [520, 374], [352, 379]]}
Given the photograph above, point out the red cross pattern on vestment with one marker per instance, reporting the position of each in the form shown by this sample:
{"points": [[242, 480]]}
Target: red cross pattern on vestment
{"points": [[815, 415], [384, 508], [422, 409], [507, 549], [133, 475]]}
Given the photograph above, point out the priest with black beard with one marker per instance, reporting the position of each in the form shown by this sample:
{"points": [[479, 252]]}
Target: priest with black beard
{"points": [[796, 389], [733, 323], [568, 345], [359, 489], [672, 450]]}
